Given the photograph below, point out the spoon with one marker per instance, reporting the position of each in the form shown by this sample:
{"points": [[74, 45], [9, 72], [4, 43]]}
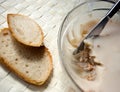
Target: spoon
{"points": [[95, 32]]}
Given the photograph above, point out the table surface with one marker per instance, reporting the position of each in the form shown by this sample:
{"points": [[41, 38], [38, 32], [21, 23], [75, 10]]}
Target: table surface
{"points": [[49, 14]]}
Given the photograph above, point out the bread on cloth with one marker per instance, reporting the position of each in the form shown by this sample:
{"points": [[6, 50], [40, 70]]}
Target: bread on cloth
{"points": [[32, 64], [25, 30]]}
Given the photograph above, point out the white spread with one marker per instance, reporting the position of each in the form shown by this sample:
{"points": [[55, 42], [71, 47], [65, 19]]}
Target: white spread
{"points": [[106, 49]]}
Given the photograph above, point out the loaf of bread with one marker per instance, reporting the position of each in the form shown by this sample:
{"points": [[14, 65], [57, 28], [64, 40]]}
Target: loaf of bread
{"points": [[32, 64], [25, 30]]}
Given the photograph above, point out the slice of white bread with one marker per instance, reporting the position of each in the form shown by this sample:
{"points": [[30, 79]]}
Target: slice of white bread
{"points": [[32, 64], [25, 30]]}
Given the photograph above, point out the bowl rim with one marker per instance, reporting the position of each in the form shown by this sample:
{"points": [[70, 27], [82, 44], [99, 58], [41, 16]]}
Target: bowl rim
{"points": [[59, 36]]}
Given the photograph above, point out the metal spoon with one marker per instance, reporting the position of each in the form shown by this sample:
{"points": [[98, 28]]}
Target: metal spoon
{"points": [[99, 27]]}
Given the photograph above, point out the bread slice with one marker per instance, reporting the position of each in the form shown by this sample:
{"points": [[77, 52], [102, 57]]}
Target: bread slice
{"points": [[32, 64], [25, 30]]}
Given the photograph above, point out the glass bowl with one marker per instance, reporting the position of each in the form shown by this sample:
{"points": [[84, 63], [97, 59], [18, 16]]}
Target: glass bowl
{"points": [[69, 34]]}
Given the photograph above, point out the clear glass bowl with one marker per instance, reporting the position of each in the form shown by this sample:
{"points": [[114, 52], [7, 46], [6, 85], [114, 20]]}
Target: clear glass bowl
{"points": [[69, 34]]}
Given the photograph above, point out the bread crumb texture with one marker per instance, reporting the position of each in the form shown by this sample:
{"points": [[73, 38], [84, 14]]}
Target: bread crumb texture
{"points": [[33, 64]]}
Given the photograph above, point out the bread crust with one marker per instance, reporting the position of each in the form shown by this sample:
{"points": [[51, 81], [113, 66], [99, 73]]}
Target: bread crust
{"points": [[20, 40], [25, 78], [21, 75]]}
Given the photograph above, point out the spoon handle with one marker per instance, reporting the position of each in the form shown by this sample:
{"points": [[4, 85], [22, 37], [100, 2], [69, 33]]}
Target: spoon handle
{"points": [[114, 9], [99, 27]]}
